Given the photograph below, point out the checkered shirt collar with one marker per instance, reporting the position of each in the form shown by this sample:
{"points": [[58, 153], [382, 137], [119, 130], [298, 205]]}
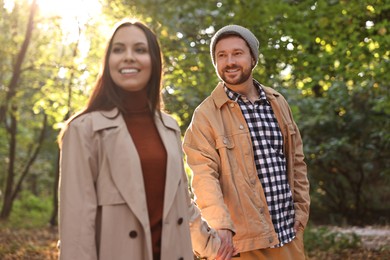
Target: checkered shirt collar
{"points": [[232, 95]]}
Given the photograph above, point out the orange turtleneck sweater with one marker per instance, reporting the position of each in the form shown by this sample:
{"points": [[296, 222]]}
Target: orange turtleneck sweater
{"points": [[140, 124]]}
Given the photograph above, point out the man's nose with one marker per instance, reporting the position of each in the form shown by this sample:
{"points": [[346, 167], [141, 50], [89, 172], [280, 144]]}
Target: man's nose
{"points": [[231, 59]]}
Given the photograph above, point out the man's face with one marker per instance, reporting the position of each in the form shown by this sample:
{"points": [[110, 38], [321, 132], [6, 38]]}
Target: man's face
{"points": [[233, 60]]}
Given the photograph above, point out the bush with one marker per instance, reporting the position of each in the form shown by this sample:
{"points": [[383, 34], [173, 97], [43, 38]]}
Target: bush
{"points": [[30, 211]]}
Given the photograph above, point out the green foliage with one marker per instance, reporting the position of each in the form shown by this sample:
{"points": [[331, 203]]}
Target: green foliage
{"points": [[344, 116], [30, 211], [347, 145], [55, 80]]}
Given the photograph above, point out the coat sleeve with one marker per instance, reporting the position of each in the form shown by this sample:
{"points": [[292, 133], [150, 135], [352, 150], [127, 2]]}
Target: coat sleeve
{"points": [[301, 186], [205, 241], [77, 199], [204, 161], [301, 192]]}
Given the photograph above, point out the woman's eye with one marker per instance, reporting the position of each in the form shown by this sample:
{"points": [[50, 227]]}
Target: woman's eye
{"points": [[141, 50], [117, 49]]}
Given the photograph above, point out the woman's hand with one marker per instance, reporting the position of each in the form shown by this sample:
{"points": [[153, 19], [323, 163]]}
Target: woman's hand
{"points": [[227, 249]]}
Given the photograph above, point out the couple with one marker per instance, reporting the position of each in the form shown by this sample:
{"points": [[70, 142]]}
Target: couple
{"points": [[123, 189]]}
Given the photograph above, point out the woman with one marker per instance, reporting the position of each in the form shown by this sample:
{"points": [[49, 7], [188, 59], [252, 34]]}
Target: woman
{"points": [[123, 189]]}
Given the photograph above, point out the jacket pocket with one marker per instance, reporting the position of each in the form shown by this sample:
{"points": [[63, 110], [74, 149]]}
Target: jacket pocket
{"points": [[225, 146], [224, 142]]}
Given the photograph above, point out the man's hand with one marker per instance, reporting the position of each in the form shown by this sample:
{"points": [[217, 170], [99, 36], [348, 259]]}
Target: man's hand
{"points": [[227, 249]]}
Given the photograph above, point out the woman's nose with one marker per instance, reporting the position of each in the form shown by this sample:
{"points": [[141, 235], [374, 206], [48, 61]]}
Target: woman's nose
{"points": [[129, 56]]}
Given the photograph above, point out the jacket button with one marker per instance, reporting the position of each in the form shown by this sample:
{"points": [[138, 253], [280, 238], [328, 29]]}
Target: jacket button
{"points": [[231, 104], [241, 127], [180, 221], [133, 234]]}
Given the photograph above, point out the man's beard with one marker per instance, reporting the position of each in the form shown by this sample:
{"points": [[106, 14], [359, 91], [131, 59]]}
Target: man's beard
{"points": [[243, 77]]}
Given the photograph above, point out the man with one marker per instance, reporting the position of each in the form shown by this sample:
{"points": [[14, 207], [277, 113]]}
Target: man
{"points": [[246, 154]]}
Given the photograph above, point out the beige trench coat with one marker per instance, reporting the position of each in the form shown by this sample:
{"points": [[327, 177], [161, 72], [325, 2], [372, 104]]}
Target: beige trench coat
{"points": [[103, 212]]}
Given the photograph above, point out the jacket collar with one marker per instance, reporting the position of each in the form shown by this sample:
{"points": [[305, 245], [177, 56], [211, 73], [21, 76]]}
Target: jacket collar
{"points": [[110, 118], [105, 119], [220, 98]]}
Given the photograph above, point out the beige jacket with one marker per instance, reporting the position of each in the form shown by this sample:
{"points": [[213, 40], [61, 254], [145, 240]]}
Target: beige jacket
{"points": [[103, 212], [229, 193]]}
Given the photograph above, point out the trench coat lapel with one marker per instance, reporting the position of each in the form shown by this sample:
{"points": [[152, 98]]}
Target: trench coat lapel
{"points": [[126, 170], [124, 163]]}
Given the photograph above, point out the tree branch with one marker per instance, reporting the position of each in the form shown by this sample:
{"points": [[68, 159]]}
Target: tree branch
{"points": [[13, 84], [32, 158]]}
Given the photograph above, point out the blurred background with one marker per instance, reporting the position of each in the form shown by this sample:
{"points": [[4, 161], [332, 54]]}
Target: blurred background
{"points": [[329, 58]]}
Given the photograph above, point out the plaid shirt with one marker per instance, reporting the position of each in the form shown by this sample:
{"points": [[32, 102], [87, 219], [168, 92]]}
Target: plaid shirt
{"points": [[270, 161]]}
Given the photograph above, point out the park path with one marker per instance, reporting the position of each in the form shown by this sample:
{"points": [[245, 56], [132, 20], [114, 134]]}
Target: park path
{"points": [[372, 237]]}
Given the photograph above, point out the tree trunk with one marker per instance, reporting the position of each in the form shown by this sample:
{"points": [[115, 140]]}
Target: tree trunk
{"points": [[11, 192], [4, 110], [7, 201], [32, 158]]}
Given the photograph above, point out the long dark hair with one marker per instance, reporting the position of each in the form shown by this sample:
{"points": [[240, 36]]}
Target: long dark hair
{"points": [[106, 95]]}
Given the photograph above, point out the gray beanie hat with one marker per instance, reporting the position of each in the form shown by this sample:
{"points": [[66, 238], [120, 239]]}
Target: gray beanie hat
{"points": [[244, 33]]}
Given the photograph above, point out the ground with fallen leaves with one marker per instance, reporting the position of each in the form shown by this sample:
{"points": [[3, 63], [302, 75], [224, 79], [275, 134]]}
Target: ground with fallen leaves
{"points": [[31, 244], [41, 244]]}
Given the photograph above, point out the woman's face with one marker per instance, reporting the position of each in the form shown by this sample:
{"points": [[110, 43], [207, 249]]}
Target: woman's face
{"points": [[129, 62]]}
